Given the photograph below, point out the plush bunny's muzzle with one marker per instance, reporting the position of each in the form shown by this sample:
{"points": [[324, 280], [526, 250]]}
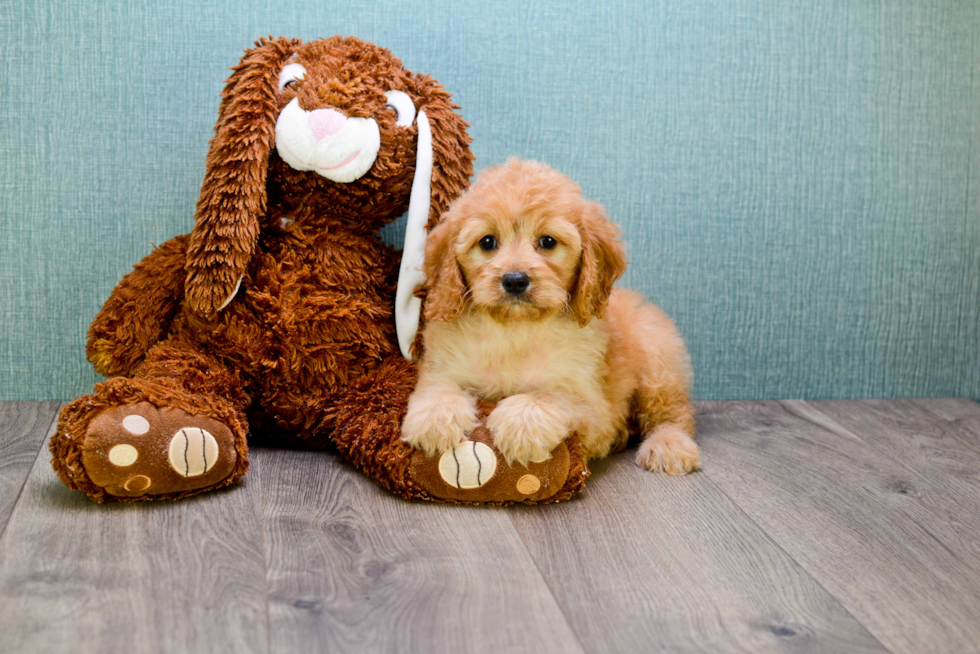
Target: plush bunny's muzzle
{"points": [[337, 147]]}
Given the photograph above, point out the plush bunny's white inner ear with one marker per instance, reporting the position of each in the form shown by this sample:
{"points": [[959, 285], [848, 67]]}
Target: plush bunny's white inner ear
{"points": [[410, 275], [231, 297]]}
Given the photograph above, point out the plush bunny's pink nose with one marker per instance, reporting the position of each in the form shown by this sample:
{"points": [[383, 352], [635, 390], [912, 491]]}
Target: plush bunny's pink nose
{"points": [[325, 122]]}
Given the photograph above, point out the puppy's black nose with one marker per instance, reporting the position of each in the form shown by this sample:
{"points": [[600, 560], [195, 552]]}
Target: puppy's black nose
{"points": [[515, 283]]}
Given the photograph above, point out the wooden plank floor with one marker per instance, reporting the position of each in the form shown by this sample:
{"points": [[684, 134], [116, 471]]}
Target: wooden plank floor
{"points": [[845, 526]]}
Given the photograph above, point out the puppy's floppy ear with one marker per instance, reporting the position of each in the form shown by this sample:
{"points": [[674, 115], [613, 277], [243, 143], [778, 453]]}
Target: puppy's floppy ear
{"points": [[233, 196], [444, 277], [603, 262]]}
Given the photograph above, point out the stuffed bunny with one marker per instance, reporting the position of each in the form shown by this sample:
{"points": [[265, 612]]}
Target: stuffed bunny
{"points": [[282, 313]]}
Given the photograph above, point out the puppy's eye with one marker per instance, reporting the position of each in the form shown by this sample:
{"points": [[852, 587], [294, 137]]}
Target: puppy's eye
{"points": [[547, 243], [488, 243]]}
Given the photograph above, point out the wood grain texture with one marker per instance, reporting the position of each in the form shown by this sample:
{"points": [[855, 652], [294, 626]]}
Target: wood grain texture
{"points": [[152, 577], [940, 465], [646, 562], [23, 427], [950, 408], [863, 505], [353, 569], [816, 526]]}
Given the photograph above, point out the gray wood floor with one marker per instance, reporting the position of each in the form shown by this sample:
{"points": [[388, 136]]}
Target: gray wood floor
{"points": [[843, 526]]}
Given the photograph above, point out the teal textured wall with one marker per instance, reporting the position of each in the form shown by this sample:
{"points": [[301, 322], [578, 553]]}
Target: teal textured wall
{"points": [[797, 179]]}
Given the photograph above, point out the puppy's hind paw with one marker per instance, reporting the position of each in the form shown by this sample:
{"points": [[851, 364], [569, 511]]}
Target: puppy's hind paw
{"points": [[669, 449], [436, 425]]}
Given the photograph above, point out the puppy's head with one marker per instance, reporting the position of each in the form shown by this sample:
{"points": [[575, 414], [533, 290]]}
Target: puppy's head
{"points": [[522, 244]]}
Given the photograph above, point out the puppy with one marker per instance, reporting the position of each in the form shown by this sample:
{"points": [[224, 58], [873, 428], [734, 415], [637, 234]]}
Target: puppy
{"points": [[521, 310]]}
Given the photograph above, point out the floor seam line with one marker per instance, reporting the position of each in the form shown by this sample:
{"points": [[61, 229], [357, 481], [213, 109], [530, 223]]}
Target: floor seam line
{"points": [[20, 491], [265, 560], [547, 585]]}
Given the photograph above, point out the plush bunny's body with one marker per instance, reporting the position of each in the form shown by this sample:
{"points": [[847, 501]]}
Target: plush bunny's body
{"points": [[276, 314]]}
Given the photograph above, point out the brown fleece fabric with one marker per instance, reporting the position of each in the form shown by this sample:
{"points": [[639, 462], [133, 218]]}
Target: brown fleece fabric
{"points": [[306, 352]]}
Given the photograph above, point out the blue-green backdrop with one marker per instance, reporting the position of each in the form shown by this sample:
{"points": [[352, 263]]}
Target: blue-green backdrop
{"points": [[797, 179]]}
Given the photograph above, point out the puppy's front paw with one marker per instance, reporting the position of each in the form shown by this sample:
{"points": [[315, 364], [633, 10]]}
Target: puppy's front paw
{"points": [[669, 449], [526, 429], [438, 424]]}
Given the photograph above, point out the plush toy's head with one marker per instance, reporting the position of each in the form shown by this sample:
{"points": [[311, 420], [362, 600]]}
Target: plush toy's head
{"points": [[335, 124]]}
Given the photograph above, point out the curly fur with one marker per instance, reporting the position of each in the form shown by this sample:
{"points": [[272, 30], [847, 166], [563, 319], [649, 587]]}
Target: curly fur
{"points": [[568, 354], [312, 318]]}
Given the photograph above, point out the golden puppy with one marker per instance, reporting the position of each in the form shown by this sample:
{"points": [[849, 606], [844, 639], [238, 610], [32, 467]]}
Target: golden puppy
{"points": [[521, 309]]}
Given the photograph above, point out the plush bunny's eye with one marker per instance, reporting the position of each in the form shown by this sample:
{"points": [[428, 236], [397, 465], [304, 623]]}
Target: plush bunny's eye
{"points": [[291, 73], [403, 106]]}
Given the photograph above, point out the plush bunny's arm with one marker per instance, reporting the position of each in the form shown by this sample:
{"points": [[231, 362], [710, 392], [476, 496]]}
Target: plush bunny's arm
{"points": [[139, 311]]}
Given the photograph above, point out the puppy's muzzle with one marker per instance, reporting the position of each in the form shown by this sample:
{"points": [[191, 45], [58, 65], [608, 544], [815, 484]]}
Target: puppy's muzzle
{"points": [[515, 283]]}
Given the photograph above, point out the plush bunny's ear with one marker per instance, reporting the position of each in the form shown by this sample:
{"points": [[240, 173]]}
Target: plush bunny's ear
{"points": [[443, 166], [410, 275], [233, 196]]}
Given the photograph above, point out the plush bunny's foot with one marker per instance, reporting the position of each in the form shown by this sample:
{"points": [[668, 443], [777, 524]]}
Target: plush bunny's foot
{"points": [[476, 472], [138, 449], [138, 440]]}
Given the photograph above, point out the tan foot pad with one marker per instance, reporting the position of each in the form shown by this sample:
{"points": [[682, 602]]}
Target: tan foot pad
{"points": [[475, 472], [138, 449]]}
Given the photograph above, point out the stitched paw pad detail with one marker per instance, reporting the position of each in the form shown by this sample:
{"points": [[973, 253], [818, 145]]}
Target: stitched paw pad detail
{"points": [[469, 465], [193, 452]]}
